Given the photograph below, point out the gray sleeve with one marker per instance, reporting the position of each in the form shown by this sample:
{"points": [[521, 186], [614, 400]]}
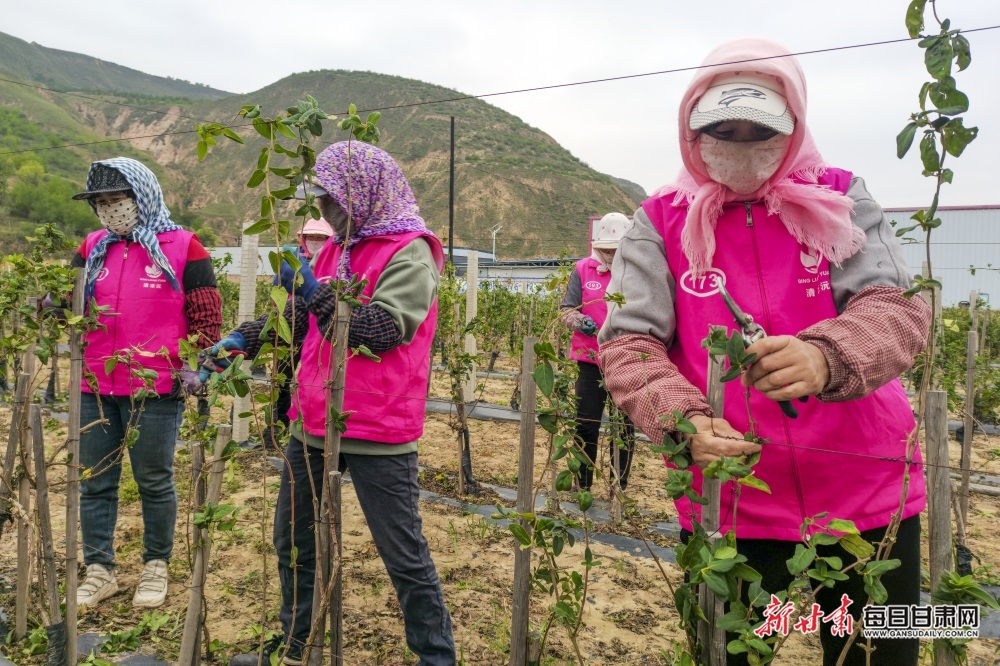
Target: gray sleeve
{"points": [[880, 262], [574, 292], [407, 287], [640, 273]]}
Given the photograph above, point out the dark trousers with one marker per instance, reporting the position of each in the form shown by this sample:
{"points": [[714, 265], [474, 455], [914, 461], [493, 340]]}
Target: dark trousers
{"points": [[591, 397], [769, 557], [388, 493]]}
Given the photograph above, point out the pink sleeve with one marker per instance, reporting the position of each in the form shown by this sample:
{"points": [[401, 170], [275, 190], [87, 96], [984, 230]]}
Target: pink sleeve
{"points": [[871, 342], [646, 384]]}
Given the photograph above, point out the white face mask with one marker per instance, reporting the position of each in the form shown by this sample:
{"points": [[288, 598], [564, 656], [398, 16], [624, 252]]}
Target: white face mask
{"points": [[314, 246], [742, 166], [119, 217]]}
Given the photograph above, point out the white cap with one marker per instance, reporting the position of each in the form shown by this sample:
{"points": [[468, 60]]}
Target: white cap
{"points": [[300, 191], [743, 97], [610, 230]]}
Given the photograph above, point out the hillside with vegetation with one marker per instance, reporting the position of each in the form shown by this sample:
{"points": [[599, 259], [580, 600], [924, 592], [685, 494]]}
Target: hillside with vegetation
{"points": [[507, 172], [65, 70]]}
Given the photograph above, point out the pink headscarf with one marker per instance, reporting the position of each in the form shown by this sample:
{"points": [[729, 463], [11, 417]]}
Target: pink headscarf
{"points": [[815, 215]]}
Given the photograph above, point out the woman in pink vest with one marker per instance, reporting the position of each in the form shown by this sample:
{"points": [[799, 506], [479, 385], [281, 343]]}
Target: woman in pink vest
{"points": [[158, 284], [386, 242], [312, 238], [804, 249], [583, 312]]}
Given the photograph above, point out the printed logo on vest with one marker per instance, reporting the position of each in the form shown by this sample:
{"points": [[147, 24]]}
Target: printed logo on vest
{"points": [[153, 271], [811, 258], [103, 273], [704, 285], [593, 285]]}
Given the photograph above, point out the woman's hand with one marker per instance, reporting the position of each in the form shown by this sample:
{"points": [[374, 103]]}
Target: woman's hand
{"points": [[787, 368], [715, 438]]}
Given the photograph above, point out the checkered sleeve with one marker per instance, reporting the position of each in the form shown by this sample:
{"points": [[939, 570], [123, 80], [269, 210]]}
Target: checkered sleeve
{"points": [[646, 384], [374, 328], [871, 342], [297, 319], [203, 307]]}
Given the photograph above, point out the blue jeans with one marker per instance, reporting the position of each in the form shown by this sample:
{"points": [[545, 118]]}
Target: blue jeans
{"points": [[152, 458], [388, 493]]}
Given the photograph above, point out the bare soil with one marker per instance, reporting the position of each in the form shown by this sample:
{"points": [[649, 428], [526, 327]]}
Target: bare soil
{"points": [[629, 617]]}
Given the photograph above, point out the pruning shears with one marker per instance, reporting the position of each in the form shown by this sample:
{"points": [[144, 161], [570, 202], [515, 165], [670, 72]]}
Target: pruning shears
{"points": [[751, 332], [209, 364]]}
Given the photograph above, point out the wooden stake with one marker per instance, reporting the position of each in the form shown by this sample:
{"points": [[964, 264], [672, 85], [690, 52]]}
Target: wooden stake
{"points": [[525, 496], [10, 458], [328, 562], [73, 469], [471, 310], [712, 637], [51, 584], [466, 396], [23, 524], [939, 500], [190, 654], [970, 424]]}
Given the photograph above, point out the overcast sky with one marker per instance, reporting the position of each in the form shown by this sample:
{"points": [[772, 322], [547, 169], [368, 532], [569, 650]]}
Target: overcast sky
{"points": [[859, 99]]}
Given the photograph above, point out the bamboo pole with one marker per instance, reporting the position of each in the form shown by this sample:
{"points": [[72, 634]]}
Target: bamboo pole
{"points": [[970, 424], [939, 500], [525, 495], [712, 637], [73, 469], [190, 653]]}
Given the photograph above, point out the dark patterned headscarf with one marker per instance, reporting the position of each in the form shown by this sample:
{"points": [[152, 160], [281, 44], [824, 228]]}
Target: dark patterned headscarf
{"points": [[154, 218], [368, 184]]}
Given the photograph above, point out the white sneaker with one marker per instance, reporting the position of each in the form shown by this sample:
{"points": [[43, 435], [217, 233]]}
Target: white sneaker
{"points": [[152, 589], [98, 584]]}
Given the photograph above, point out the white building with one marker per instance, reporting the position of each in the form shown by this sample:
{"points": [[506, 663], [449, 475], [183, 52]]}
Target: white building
{"points": [[967, 241]]}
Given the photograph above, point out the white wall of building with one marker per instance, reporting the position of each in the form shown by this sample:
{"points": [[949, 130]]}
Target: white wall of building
{"points": [[968, 236]]}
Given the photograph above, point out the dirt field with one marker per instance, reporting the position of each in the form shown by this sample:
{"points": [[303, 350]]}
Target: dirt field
{"points": [[629, 618]]}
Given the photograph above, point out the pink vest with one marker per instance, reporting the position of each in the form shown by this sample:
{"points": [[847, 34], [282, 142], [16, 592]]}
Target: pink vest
{"points": [[145, 313], [593, 284], [386, 399], [841, 458]]}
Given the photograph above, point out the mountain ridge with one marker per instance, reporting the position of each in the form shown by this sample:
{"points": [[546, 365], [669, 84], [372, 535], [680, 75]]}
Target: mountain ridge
{"points": [[507, 172]]}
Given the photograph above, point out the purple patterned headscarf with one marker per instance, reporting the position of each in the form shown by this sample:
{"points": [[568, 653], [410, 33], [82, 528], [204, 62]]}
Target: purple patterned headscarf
{"points": [[381, 201]]}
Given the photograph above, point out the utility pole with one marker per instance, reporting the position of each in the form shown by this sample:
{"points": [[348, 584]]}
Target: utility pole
{"points": [[451, 198], [495, 230]]}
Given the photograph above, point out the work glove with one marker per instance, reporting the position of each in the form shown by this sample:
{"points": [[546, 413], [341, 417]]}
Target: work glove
{"points": [[588, 327], [209, 361], [286, 278], [190, 381]]}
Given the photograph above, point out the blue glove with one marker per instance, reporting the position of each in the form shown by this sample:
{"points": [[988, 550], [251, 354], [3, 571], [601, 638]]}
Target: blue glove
{"points": [[588, 327], [209, 358], [286, 278]]}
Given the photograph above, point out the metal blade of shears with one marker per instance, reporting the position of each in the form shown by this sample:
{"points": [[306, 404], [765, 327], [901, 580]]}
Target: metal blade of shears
{"points": [[751, 332]]}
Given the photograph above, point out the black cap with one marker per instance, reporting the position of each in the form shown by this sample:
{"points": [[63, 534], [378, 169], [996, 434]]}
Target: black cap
{"points": [[102, 179]]}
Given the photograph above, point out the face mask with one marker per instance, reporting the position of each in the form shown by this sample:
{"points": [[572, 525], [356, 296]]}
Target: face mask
{"points": [[742, 166], [120, 217], [314, 246]]}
